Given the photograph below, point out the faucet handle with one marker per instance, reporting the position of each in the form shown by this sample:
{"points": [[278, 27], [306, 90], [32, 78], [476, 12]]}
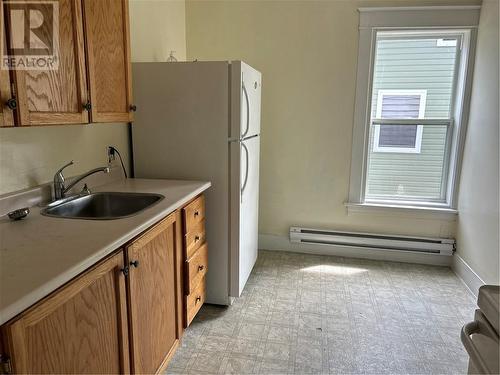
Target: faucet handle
{"points": [[85, 190], [66, 165]]}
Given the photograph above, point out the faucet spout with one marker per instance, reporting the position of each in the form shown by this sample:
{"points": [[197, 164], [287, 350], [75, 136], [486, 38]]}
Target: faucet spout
{"points": [[60, 189], [79, 178]]}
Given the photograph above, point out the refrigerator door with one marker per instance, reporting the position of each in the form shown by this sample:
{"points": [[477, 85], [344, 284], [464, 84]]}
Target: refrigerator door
{"points": [[244, 211], [246, 96]]}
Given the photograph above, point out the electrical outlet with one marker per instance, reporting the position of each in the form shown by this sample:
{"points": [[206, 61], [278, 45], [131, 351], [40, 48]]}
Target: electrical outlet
{"points": [[111, 154]]}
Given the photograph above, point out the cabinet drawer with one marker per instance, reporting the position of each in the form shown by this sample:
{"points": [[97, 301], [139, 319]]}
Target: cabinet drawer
{"points": [[194, 212], [194, 239], [196, 268], [194, 301]]}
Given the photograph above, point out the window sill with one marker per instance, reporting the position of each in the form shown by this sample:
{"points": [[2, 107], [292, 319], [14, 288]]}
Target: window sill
{"points": [[440, 213]]}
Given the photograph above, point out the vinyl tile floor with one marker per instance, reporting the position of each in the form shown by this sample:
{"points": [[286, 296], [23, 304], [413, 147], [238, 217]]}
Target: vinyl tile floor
{"points": [[308, 314]]}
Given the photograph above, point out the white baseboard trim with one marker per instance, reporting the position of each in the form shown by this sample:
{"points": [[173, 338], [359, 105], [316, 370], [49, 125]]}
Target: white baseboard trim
{"points": [[282, 243], [465, 273]]}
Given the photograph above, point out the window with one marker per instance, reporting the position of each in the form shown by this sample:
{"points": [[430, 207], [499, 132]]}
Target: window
{"points": [[413, 81], [399, 104]]}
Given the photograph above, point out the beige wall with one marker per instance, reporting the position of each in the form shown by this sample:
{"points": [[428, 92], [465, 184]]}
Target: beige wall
{"points": [[30, 156], [478, 223], [157, 27], [307, 52]]}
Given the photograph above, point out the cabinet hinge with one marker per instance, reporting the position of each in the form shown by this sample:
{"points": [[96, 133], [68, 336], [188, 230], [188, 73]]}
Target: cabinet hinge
{"points": [[5, 364]]}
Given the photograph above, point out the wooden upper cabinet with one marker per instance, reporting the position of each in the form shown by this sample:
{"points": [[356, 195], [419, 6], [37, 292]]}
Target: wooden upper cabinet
{"points": [[82, 328], [155, 296], [108, 59], [6, 113], [57, 96], [92, 82]]}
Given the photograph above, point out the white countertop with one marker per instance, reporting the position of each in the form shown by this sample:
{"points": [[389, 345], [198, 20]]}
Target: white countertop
{"points": [[39, 254]]}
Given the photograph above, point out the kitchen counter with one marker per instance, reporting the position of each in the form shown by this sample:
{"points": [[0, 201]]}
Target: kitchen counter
{"points": [[39, 254]]}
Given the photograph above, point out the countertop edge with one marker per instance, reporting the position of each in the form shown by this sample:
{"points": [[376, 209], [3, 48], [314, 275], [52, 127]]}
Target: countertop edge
{"points": [[38, 294]]}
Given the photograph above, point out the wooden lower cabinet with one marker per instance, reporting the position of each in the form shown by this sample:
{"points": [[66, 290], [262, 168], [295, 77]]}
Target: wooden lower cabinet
{"points": [[124, 315], [154, 296], [81, 328]]}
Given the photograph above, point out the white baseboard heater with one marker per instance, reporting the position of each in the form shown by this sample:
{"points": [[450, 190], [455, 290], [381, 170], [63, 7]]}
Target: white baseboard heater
{"points": [[438, 246]]}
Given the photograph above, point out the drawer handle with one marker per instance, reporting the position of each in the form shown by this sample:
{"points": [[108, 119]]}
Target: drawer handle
{"points": [[196, 238], [201, 267], [196, 213], [198, 299]]}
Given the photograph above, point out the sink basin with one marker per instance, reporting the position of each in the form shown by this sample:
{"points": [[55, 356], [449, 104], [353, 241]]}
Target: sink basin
{"points": [[103, 206]]}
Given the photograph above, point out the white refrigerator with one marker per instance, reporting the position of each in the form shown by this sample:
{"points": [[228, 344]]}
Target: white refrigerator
{"points": [[201, 121]]}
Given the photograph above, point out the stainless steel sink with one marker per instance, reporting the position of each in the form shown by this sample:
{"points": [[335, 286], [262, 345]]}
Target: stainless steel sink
{"points": [[102, 206]]}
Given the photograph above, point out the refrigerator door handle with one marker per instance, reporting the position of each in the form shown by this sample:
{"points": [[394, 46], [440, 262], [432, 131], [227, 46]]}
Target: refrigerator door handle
{"points": [[246, 171], [248, 110]]}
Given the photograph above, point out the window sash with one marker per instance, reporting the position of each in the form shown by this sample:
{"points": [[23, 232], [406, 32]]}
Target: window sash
{"points": [[403, 34], [414, 121], [407, 201], [443, 200]]}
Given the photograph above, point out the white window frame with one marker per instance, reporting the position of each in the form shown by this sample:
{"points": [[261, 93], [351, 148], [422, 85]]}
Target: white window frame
{"points": [[421, 113], [462, 20]]}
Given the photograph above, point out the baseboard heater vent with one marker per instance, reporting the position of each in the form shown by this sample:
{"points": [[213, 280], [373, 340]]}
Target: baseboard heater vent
{"points": [[438, 246]]}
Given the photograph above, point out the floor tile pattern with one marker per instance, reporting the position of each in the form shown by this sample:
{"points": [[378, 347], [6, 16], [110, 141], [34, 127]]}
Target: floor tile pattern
{"points": [[308, 314]]}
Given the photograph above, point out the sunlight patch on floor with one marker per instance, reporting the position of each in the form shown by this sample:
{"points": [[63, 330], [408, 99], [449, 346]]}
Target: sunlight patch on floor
{"points": [[334, 270]]}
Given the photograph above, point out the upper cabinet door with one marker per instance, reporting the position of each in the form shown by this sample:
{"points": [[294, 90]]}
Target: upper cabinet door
{"points": [[108, 59], [7, 102], [56, 96], [6, 112]]}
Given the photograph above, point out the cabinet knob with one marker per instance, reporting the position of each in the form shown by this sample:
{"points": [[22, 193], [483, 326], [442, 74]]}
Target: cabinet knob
{"points": [[196, 238], [196, 213], [135, 263], [198, 299], [133, 108], [87, 106], [201, 267], [11, 103], [125, 270]]}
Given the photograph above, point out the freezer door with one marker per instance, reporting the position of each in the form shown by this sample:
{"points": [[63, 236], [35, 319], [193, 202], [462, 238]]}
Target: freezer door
{"points": [[246, 97], [244, 211]]}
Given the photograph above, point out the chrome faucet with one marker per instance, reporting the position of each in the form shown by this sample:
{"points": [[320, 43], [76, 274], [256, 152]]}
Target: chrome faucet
{"points": [[60, 189]]}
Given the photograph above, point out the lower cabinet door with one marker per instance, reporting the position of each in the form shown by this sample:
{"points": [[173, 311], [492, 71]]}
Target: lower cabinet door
{"points": [[81, 328], [153, 296]]}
